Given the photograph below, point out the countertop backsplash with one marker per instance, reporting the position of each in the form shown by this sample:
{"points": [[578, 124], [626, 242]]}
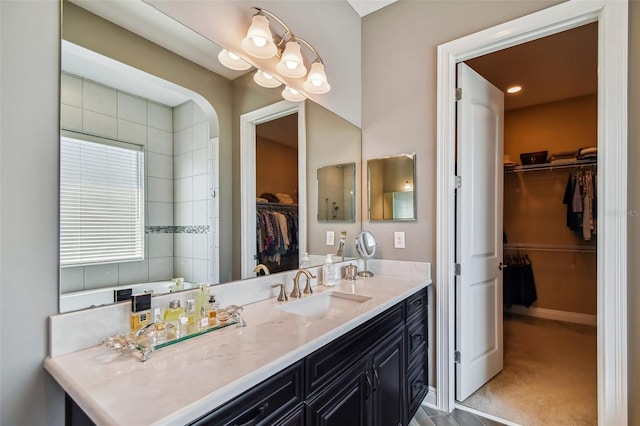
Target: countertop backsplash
{"points": [[74, 331]]}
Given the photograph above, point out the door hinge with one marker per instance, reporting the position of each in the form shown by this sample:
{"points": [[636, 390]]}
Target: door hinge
{"points": [[458, 94], [456, 357], [456, 269], [458, 182]]}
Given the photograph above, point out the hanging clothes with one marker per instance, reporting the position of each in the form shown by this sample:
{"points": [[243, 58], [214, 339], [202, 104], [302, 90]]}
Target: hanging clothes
{"points": [[519, 285], [277, 234], [581, 201]]}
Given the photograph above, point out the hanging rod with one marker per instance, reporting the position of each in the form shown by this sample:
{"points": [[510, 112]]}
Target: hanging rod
{"points": [[551, 166], [551, 247], [276, 206]]}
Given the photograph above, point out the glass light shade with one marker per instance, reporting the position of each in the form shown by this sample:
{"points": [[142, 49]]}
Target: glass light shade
{"points": [[265, 80], [291, 63], [292, 95], [232, 61], [259, 41], [317, 80]]}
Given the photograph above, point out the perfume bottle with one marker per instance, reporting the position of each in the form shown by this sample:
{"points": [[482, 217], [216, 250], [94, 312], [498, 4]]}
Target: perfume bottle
{"points": [[191, 314], [140, 311], [160, 326], [201, 297], [173, 313], [213, 310], [203, 321]]}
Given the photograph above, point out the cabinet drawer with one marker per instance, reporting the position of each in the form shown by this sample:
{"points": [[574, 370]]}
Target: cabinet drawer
{"points": [[417, 303], [330, 361], [265, 404], [417, 387], [416, 336]]}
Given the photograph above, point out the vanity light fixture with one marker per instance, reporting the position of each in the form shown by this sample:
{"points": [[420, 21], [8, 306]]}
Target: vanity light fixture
{"points": [[407, 186], [233, 61], [514, 89], [292, 95], [265, 80], [262, 43]]}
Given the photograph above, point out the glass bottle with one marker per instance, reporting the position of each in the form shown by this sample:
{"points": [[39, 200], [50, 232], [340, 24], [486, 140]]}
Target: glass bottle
{"points": [[213, 310], [173, 313]]}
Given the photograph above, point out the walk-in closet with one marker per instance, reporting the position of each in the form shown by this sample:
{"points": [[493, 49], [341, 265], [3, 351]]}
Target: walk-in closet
{"points": [[277, 195], [550, 233]]}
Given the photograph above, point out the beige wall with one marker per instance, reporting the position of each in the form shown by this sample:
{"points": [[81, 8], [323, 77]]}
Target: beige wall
{"points": [[94, 33], [634, 213], [399, 97], [558, 126], [330, 140], [276, 168]]}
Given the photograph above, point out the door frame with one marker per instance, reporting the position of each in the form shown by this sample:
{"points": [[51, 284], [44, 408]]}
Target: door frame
{"points": [[612, 18], [248, 123]]}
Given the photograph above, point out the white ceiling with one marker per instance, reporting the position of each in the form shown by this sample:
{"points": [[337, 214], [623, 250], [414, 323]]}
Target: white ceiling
{"points": [[365, 7]]}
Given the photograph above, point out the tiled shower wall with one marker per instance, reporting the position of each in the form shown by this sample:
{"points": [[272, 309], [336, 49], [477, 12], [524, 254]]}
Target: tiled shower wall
{"points": [[191, 189], [96, 109], [336, 193]]}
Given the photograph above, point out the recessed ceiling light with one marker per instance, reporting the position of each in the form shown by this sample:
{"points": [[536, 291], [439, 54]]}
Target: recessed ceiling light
{"points": [[514, 89]]}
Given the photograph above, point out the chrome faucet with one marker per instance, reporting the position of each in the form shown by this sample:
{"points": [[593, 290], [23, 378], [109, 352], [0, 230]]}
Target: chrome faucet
{"points": [[262, 268], [295, 292], [343, 238]]}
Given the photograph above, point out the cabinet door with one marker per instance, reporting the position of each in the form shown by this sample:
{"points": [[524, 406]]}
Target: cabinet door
{"points": [[388, 399], [264, 405], [345, 402]]}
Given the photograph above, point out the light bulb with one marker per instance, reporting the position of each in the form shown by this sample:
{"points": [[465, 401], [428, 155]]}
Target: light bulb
{"points": [[291, 65], [233, 56], [259, 41]]}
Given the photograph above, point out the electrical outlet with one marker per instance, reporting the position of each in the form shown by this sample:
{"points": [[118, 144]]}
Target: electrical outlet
{"points": [[330, 238], [398, 240]]}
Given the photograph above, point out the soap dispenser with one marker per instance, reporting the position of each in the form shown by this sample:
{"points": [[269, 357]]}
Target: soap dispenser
{"points": [[329, 271]]}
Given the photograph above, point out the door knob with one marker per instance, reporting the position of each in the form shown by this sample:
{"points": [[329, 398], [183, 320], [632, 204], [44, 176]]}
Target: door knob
{"points": [[501, 266]]}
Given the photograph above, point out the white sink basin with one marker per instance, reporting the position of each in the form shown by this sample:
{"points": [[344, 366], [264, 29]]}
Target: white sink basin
{"points": [[324, 305]]}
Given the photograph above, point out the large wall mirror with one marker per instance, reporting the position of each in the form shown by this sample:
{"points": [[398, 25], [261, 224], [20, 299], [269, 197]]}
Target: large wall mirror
{"points": [[392, 187], [181, 121]]}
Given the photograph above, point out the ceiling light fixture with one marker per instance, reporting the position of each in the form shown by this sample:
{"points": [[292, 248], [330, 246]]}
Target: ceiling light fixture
{"points": [[514, 89], [262, 43]]}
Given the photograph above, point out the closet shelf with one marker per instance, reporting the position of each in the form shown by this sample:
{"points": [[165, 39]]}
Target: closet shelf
{"points": [[551, 247], [550, 166]]}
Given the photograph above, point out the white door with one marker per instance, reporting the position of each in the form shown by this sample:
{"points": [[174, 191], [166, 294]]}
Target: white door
{"points": [[480, 118]]}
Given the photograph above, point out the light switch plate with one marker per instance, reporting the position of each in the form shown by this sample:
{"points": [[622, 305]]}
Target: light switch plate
{"points": [[330, 238], [398, 240]]}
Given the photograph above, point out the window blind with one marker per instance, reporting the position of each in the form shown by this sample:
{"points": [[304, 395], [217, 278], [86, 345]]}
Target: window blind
{"points": [[101, 201]]}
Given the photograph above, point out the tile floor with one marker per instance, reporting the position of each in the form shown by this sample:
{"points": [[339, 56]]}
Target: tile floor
{"points": [[426, 416]]}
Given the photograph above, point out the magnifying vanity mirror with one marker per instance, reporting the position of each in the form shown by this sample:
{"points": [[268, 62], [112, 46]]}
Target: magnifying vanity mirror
{"points": [[122, 87], [392, 194], [337, 193], [366, 247]]}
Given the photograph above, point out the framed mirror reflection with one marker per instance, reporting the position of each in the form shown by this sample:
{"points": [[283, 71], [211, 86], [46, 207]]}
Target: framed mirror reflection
{"points": [[337, 193], [392, 194]]}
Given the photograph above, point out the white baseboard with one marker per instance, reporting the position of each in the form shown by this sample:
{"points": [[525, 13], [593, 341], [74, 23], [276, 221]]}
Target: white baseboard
{"points": [[486, 415], [552, 314], [430, 399]]}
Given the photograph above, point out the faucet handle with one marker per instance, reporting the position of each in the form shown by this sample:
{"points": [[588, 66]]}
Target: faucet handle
{"points": [[283, 295], [307, 288]]}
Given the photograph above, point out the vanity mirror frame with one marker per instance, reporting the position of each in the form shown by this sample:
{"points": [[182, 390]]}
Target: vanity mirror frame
{"points": [[411, 180]]}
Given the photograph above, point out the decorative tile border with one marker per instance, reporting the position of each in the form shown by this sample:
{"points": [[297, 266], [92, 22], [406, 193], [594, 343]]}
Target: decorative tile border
{"points": [[192, 229]]}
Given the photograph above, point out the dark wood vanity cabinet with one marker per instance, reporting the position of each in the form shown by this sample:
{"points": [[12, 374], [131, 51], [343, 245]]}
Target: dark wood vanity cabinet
{"points": [[375, 375]]}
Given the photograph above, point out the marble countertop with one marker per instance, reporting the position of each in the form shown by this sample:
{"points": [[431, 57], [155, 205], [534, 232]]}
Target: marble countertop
{"points": [[180, 383]]}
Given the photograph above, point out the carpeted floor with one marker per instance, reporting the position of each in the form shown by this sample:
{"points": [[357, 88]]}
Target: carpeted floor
{"points": [[549, 375]]}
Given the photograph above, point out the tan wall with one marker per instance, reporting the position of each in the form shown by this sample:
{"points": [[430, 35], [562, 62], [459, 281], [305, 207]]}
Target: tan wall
{"points": [[276, 168], [330, 140], [534, 214], [558, 126]]}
